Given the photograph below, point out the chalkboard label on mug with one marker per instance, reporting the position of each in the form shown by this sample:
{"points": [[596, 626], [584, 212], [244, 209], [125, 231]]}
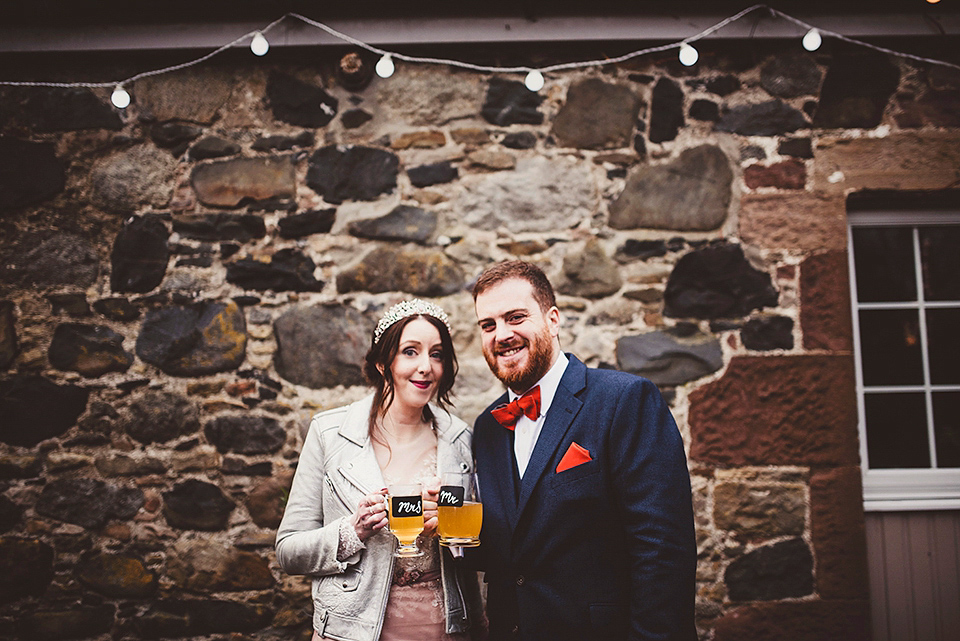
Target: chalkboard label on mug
{"points": [[450, 496], [407, 506]]}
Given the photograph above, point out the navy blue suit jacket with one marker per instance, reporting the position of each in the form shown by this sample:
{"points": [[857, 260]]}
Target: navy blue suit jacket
{"points": [[605, 549]]}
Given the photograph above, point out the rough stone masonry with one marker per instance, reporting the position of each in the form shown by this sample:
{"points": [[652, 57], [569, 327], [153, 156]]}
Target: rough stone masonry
{"points": [[182, 284]]}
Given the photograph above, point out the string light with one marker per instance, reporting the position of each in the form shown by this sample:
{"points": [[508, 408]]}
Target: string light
{"points": [[812, 40], [688, 55], [385, 66], [534, 80], [259, 45], [120, 98]]}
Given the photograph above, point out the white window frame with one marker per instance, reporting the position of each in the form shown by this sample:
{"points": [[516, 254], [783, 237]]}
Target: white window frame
{"points": [[903, 489]]}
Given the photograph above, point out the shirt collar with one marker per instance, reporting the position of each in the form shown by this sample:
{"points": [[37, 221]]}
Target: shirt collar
{"points": [[548, 383]]}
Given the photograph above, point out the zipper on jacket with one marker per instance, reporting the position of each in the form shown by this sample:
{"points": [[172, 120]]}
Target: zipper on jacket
{"points": [[333, 488]]}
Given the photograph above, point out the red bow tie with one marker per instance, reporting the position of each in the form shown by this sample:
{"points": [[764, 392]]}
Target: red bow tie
{"points": [[528, 404]]}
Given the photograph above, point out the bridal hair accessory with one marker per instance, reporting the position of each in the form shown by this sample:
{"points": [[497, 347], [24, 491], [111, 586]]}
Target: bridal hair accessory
{"points": [[412, 307]]}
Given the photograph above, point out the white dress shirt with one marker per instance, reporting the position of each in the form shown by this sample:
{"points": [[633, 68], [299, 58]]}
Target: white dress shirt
{"points": [[527, 431]]}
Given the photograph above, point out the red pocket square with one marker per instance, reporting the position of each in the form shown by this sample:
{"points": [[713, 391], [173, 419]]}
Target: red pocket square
{"points": [[576, 455]]}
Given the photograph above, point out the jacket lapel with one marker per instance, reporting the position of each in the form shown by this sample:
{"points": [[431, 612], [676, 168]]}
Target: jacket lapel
{"points": [[502, 481], [563, 410], [362, 470]]}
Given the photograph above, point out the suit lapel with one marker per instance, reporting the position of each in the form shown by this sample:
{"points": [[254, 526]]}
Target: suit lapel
{"points": [[503, 481], [563, 410]]}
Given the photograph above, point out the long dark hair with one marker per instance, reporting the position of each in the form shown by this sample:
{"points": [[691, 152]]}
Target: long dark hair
{"points": [[380, 357]]}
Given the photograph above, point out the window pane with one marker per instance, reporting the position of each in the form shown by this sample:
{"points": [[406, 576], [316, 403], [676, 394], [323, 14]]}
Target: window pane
{"points": [[946, 427], [883, 261], [890, 347], [896, 430], [943, 336], [940, 253]]}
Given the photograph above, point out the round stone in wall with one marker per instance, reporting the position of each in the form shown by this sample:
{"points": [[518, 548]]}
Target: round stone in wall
{"points": [[26, 568], [129, 179], [91, 350], [197, 505], [88, 502], [203, 338], [420, 271], [118, 576], [160, 416], [35, 409], [250, 434]]}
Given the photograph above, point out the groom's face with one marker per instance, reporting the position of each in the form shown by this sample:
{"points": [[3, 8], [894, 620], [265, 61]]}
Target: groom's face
{"points": [[519, 339]]}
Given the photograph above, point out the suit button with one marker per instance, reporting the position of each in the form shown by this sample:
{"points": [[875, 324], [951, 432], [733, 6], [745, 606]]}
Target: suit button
{"points": [[520, 580], [515, 631]]}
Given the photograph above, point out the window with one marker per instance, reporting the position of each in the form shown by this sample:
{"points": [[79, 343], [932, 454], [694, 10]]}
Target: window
{"points": [[905, 281]]}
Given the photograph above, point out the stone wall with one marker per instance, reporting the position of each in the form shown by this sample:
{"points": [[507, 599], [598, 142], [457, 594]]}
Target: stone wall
{"points": [[182, 284]]}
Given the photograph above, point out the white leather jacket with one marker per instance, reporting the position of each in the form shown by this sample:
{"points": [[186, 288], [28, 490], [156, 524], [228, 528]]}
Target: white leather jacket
{"points": [[337, 468]]}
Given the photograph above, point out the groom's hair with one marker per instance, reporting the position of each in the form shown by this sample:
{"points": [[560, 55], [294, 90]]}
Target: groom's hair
{"points": [[495, 274]]}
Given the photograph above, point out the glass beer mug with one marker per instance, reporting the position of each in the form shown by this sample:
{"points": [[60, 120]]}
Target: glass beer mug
{"points": [[405, 514], [459, 511]]}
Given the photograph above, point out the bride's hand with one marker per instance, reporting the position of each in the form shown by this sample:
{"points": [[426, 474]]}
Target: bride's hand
{"points": [[431, 491], [371, 515]]}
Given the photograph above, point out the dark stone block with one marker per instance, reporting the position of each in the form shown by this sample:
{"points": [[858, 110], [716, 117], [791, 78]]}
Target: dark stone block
{"points": [[790, 75], [50, 259], [723, 85], [221, 226], [796, 147], [433, 174], [30, 173], [353, 118], [118, 576], [72, 304], [45, 109], [640, 145], [717, 282], [668, 359], [239, 467], [520, 140], [266, 501], [634, 249], [73, 623], [666, 111], [404, 223], [245, 434], [158, 417], [771, 118], [196, 505], [10, 514], [596, 115], [236, 181], [213, 147], [88, 502], [300, 103], [509, 102], [284, 143], [589, 273], [140, 254], [194, 618], [357, 173], [26, 568], [767, 333], [305, 354], [200, 339], [288, 270], [91, 350], [642, 78], [119, 309], [170, 135], [317, 221], [195, 261], [34, 409], [838, 533], [852, 99], [780, 571], [748, 152], [9, 347], [420, 271], [705, 110]]}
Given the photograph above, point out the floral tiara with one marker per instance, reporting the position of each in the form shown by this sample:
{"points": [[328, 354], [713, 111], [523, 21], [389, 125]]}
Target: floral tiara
{"points": [[412, 307]]}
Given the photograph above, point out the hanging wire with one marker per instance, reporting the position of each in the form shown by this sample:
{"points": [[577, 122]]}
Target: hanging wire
{"points": [[482, 68]]}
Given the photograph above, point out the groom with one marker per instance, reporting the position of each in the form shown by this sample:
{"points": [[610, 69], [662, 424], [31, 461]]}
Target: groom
{"points": [[588, 525]]}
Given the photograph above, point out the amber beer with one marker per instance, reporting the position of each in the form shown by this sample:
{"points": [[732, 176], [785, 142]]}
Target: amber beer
{"points": [[459, 511], [405, 514]]}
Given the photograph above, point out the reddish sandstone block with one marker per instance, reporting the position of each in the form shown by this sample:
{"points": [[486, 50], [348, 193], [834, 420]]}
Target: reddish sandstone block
{"points": [[803, 221], [825, 302], [785, 410], [789, 174], [838, 533], [797, 621]]}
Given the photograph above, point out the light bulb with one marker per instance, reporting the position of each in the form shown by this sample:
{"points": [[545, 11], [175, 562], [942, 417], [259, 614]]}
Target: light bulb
{"points": [[534, 80], [259, 45], [688, 55], [811, 41], [385, 66], [120, 98]]}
